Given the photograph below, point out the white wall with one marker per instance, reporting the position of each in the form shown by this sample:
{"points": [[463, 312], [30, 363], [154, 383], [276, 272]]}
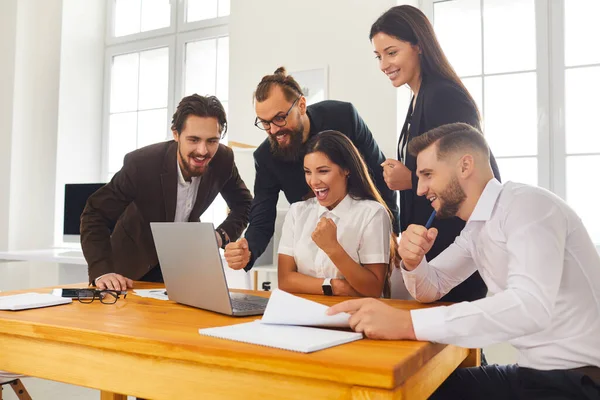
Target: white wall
{"points": [[35, 110], [79, 141], [52, 65], [305, 35], [8, 35]]}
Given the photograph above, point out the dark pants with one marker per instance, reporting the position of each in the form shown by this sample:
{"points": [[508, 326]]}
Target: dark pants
{"points": [[496, 382], [154, 275]]}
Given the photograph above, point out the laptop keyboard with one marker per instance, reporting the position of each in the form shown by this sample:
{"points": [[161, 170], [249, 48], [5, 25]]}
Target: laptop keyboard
{"points": [[248, 303]]}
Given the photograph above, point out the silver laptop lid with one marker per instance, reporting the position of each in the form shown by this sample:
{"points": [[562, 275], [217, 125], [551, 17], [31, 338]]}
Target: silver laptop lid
{"points": [[191, 265]]}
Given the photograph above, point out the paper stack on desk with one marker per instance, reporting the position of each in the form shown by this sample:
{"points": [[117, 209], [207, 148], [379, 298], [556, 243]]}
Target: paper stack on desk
{"points": [[158, 294], [288, 324], [26, 301]]}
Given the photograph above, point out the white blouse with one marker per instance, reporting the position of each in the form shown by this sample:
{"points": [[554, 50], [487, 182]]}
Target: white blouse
{"points": [[363, 230]]}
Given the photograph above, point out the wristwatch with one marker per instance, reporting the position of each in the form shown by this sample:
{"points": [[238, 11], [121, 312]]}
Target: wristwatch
{"points": [[327, 290], [224, 239]]}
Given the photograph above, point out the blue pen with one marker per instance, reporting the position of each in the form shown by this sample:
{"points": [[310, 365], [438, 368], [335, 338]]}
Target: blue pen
{"points": [[430, 220]]}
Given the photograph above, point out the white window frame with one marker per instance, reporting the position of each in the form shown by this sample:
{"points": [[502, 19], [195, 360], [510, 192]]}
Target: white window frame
{"points": [[125, 48], [550, 49], [174, 37], [212, 32]]}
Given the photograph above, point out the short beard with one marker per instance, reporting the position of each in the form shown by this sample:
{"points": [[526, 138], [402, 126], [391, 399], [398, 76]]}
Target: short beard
{"points": [[293, 151], [187, 168], [451, 199]]}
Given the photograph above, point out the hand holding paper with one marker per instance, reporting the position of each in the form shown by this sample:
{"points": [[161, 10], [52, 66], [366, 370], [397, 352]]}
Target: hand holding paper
{"points": [[286, 309], [282, 326]]}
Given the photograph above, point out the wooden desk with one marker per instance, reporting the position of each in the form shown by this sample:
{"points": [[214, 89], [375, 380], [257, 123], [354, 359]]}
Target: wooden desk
{"points": [[151, 348]]}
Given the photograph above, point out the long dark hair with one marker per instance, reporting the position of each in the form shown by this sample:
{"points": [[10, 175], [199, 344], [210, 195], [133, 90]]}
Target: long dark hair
{"points": [[409, 24], [342, 152]]}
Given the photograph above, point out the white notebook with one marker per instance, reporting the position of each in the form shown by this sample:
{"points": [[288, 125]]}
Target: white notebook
{"points": [[286, 324], [26, 301], [288, 337]]}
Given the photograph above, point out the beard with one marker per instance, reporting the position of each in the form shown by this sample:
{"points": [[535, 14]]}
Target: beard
{"points": [[451, 198], [187, 168], [294, 151]]}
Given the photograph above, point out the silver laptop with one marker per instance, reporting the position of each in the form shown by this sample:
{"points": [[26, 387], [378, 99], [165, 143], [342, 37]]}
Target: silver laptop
{"points": [[193, 271]]}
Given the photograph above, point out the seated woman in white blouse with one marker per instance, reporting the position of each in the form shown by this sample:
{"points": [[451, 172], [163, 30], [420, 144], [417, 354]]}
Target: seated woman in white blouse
{"points": [[338, 242]]}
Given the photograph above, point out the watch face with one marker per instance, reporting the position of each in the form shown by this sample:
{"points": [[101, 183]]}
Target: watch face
{"points": [[327, 291]]}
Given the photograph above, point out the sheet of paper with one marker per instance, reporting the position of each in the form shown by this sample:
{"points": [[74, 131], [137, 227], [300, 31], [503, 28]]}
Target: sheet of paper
{"points": [[295, 338], [26, 301], [158, 294], [286, 309]]}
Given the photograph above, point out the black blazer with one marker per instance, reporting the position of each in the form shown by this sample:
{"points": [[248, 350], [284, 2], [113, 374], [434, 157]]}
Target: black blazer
{"points": [[144, 191], [440, 102]]}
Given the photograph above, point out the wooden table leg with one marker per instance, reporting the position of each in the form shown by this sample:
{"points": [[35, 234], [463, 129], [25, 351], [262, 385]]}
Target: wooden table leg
{"points": [[255, 279], [112, 396], [472, 360]]}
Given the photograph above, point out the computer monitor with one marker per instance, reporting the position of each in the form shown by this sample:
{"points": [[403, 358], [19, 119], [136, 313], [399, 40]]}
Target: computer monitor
{"points": [[76, 195]]}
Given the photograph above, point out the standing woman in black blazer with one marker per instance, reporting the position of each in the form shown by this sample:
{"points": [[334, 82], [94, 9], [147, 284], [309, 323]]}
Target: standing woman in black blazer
{"points": [[409, 53]]}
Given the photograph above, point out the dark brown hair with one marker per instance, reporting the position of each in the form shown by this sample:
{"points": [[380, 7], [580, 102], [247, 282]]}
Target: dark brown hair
{"points": [[450, 139], [342, 152], [291, 88], [199, 106], [409, 24]]}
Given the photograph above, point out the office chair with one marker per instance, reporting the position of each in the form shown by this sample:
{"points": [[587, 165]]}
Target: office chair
{"points": [[18, 387]]}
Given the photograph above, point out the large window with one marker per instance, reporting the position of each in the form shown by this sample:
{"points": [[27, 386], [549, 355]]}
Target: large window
{"points": [[157, 52], [533, 69]]}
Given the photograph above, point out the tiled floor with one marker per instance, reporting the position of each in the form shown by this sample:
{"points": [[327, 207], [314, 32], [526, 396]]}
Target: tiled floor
{"points": [[25, 275]]}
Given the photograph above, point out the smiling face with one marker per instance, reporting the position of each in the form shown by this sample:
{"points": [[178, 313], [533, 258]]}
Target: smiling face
{"points": [[197, 144], [398, 59], [286, 141], [439, 182], [327, 180]]}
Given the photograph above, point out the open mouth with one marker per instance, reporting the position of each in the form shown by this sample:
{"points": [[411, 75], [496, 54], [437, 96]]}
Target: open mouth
{"points": [[321, 193], [432, 199], [393, 74], [199, 161], [282, 138]]}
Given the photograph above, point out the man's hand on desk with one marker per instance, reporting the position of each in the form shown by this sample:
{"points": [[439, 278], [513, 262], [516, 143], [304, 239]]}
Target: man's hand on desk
{"points": [[113, 281], [376, 319], [237, 254]]}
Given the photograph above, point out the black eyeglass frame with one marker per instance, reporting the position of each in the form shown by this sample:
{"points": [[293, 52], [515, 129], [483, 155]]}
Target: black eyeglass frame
{"points": [[83, 295], [264, 125]]}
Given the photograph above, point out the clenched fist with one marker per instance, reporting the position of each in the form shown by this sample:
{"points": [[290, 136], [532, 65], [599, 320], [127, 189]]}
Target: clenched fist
{"points": [[325, 235], [237, 254], [396, 175], [415, 242]]}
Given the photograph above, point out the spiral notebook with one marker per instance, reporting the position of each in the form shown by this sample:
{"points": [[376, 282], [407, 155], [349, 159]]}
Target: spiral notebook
{"points": [[283, 326]]}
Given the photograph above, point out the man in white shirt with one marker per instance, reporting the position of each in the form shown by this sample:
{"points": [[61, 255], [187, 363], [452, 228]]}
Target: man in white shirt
{"points": [[534, 254]]}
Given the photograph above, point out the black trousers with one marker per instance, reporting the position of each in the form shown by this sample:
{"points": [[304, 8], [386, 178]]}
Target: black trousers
{"points": [[495, 382]]}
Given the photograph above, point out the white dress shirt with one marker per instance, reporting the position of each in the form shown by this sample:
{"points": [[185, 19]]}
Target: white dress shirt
{"points": [[363, 230], [542, 271], [186, 196]]}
